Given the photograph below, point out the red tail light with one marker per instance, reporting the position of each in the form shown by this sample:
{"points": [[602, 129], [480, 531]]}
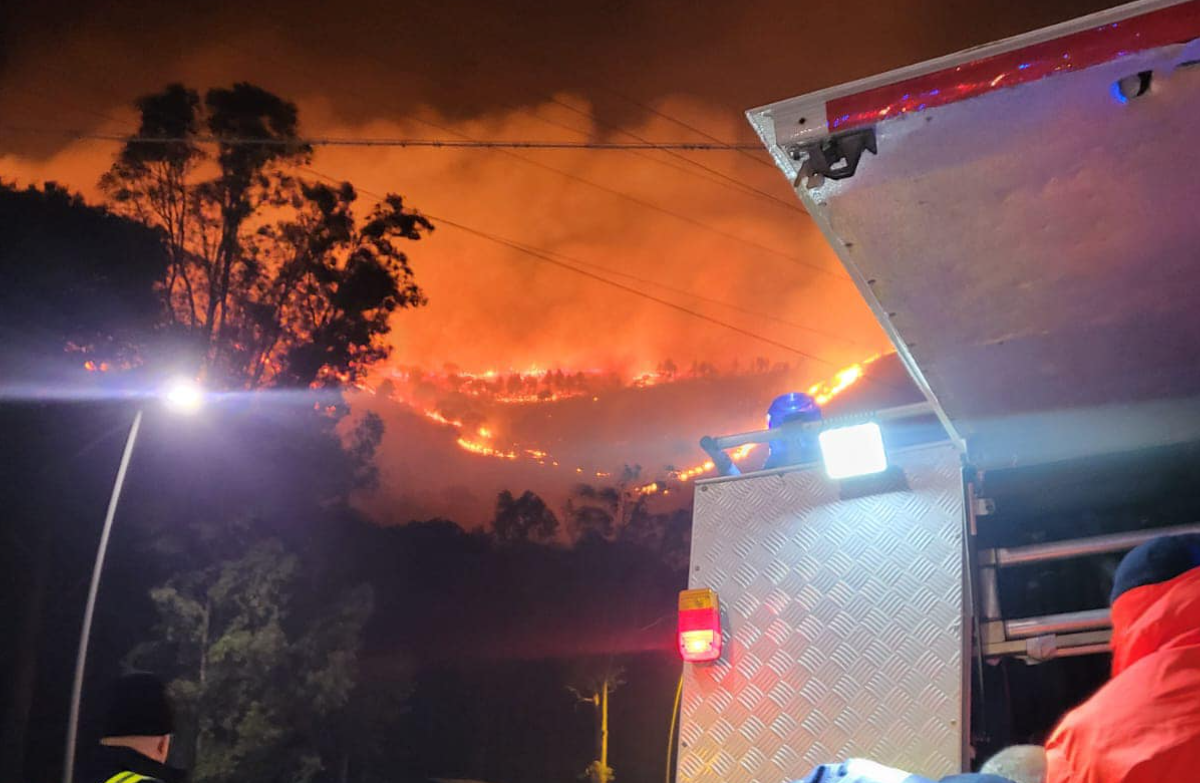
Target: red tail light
{"points": [[699, 626]]}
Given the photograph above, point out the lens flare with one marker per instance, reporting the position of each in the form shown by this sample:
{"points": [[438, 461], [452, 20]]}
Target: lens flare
{"points": [[184, 396]]}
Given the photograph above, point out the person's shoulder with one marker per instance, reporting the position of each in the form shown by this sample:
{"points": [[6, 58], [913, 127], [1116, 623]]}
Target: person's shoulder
{"points": [[1137, 694], [1132, 716], [128, 776]]}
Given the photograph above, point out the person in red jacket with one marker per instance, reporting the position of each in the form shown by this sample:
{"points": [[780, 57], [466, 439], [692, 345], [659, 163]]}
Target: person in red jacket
{"points": [[1143, 725]]}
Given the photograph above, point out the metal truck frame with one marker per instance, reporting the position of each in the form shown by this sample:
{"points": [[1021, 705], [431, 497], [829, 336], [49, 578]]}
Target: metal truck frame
{"points": [[1019, 217]]}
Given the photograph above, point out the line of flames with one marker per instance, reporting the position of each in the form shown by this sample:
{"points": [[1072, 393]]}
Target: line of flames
{"points": [[843, 379], [821, 392], [491, 384]]}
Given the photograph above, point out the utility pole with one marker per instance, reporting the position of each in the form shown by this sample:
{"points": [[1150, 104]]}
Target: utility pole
{"points": [[604, 773], [599, 771]]}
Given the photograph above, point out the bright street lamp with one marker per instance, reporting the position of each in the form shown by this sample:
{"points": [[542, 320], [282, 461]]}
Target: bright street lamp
{"points": [[184, 396], [181, 396]]}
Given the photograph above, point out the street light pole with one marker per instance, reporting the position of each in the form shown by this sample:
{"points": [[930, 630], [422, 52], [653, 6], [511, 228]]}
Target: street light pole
{"points": [[81, 658]]}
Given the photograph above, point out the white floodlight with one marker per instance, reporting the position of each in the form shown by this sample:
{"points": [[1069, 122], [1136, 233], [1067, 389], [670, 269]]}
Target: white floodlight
{"points": [[852, 451]]}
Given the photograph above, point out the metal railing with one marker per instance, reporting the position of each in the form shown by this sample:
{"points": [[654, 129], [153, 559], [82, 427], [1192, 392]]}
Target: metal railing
{"points": [[1055, 635], [715, 447], [725, 442], [1003, 557], [1067, 622]]}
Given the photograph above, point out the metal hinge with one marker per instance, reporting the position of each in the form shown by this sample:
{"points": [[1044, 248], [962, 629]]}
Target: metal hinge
{"points": [[834, 157]]}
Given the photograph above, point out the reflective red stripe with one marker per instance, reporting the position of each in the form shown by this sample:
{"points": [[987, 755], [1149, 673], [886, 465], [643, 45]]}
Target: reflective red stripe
{"points": [[1176, 24]]}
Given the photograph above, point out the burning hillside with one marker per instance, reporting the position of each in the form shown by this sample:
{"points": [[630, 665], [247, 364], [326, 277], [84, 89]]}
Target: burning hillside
{"points": [[463, 435]]}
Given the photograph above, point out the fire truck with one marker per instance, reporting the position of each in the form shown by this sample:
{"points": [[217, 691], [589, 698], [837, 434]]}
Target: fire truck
{"points": [[1022, 220]]}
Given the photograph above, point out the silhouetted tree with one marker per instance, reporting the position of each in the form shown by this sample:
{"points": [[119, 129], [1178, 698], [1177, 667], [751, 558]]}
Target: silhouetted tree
{"points": [[524, 518], [605, 511], [593, 511], [361, 445], [668, 534], [271, 276]]}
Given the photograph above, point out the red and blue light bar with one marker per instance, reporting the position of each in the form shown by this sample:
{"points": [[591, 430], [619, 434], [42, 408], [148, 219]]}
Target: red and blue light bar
{"points": [[1162, 27]]}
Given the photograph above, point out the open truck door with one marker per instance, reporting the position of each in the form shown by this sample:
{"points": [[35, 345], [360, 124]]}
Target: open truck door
{"points": [[1021, 217]]}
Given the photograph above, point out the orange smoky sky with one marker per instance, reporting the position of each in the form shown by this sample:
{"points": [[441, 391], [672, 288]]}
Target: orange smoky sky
{"points": [[716, 233]]}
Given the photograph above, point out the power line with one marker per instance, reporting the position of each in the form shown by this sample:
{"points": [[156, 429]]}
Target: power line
{"points": [[608, 270], [602, 83], [842, 278], [717, 302], [348, 141], [456, 143], [511, 243], [550, 258], [685, 165], [508, 147], [790, 205], [682, 124], [691, 221], [557, 259], [693, 168]]}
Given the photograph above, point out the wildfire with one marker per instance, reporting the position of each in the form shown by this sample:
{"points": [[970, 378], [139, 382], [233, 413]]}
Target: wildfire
{"points": [[434, 415], [515, 387], [482, 448], [821, 392], [826, 390], [650, 379], [543, 386], [691, 473], [527, 399], [687, 474], [741, 452], [118, 364]]}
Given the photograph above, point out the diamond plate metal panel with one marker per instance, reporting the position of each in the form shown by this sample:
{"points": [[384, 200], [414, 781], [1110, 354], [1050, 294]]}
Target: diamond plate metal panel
{"points": [[844, 624]]}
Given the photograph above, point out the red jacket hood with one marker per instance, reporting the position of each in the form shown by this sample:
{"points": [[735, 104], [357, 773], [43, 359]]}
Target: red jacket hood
{"points": [[1153, 617]]}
